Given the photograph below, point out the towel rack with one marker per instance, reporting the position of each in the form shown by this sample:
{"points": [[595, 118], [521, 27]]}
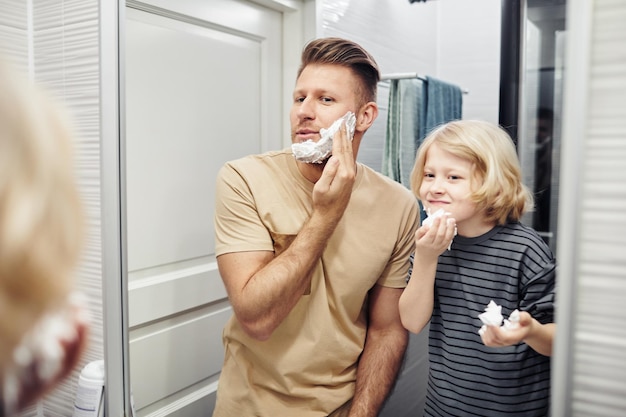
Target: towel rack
{"points": [[401, 76], [406, 75]]}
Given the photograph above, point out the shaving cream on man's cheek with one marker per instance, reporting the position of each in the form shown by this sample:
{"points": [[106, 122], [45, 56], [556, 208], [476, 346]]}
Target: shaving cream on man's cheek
{"points": [[317, 152]]}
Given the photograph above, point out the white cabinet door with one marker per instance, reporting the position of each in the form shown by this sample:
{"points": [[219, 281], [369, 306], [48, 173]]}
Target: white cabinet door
{"points": [[202, 86]]}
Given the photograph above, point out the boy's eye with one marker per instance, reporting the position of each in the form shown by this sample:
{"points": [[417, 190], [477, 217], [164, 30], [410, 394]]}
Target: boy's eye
{"points": [[428, 175]]}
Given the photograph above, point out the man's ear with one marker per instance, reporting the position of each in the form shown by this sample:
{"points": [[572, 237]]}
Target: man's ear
{"points": [[366, 116]]}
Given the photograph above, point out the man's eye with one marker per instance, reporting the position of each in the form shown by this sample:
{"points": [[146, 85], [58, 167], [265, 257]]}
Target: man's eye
{"points": [[326, 99], [299, 99]]}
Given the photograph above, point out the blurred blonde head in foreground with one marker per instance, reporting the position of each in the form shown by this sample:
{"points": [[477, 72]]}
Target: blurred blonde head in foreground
{"points": [[41, 218]]}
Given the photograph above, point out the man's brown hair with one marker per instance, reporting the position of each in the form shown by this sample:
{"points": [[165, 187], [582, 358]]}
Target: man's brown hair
{"points": [[338, 51]]}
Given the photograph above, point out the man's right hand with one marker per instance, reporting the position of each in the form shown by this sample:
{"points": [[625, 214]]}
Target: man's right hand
{"points": [[332, 191]]}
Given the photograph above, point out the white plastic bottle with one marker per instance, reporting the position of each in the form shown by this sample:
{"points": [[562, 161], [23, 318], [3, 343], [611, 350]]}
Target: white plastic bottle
{"points": [[90, 392]]}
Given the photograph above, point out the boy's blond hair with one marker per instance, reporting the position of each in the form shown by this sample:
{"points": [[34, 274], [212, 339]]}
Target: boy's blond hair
{"points": [[41, 218], [497, 181]]}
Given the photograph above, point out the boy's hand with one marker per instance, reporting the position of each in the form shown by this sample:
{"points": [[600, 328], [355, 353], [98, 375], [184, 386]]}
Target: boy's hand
{"points": [[497, 336], [434, 239]]}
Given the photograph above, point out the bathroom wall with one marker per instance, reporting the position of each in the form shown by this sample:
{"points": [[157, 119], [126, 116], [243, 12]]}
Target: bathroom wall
{"points": [[457, 41], [13, 29]]}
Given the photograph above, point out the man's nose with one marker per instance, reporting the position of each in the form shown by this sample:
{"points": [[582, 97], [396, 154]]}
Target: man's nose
{"points": [[305, 109]]}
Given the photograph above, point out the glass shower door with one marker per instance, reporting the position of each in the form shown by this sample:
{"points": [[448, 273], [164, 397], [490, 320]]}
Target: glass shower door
{"points": [[539, 133]]}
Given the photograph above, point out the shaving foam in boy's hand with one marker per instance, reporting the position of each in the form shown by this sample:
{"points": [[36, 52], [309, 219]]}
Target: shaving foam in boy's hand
{"points": [[493, 317], [317, 152], [429, 220]]}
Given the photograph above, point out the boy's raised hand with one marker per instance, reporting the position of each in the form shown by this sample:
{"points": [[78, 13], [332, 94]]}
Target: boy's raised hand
{"points": [[433, 239]]}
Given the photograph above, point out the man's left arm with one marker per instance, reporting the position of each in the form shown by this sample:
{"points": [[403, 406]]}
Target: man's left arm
{"points": [[382, 356]]}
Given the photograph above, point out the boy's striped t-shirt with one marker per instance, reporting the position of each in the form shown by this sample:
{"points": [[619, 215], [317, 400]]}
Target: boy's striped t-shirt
{"points": [[512, 266]]}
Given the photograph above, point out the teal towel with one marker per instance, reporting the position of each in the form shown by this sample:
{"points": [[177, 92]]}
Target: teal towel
{"points": [[444, 103], [415, 108], [403, 127]]}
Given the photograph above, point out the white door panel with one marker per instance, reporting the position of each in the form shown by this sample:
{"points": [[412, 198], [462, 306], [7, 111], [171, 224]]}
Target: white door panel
{"points": [[185, 101], [177, 355], [164, 294], [202, 86]]}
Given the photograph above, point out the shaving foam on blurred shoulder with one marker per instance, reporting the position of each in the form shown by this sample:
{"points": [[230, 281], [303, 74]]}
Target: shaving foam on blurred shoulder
{"points": [[41, 354], [317, 152]]}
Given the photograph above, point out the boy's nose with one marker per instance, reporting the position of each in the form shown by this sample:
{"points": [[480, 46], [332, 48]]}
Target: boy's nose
{"points": [[437, 187]]}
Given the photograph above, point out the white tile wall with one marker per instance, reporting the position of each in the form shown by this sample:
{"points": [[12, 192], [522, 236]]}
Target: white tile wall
{"points": [[454, 40], [13, 30]]}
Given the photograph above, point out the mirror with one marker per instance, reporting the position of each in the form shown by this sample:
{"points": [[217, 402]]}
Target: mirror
{"points": [[164, 185], [205, 84], [540, 114]]}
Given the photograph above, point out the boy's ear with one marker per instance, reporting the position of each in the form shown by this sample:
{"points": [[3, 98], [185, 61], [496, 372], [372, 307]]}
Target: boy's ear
{"points": [[366, 116]]}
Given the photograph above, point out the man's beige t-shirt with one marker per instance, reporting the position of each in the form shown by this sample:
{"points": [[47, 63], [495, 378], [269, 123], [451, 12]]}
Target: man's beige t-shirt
{"points": [[308, 366]]}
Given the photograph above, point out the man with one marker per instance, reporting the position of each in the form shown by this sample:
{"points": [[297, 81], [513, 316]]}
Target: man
{"points": [[314, 257]]}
